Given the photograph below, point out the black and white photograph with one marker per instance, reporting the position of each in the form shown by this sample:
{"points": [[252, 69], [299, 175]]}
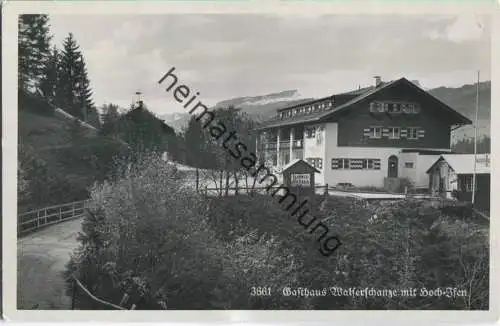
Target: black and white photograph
{"points": [[252, 161]]}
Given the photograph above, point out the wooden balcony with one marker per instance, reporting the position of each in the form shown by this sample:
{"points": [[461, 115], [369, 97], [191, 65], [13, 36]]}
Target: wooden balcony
{"points": [[298, 143], [270, 146]]}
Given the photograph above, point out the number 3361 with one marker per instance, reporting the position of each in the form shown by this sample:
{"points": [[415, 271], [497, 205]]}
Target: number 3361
{"points": [[260, 291]]}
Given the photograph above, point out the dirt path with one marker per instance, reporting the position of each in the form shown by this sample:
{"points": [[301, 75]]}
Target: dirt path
{"points": [[41, 259]]}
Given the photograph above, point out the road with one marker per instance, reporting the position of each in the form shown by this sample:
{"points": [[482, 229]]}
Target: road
{"points": [[41, 260]]}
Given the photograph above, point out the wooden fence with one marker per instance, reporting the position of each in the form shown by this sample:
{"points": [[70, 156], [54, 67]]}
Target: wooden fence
{"points": [[36, 219]]}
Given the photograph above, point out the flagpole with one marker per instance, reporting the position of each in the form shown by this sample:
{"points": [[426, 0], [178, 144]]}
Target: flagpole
{"points": [[475, 141]]}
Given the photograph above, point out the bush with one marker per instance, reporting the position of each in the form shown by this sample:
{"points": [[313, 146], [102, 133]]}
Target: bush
{"points": [[150, 232], [148, 227]]}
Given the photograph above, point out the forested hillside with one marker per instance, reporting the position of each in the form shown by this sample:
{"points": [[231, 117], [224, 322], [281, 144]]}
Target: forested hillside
{"points": [[66, 144]]}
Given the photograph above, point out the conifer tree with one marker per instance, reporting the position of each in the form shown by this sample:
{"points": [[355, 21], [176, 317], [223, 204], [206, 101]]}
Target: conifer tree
{"points": [[68, 80], [84, 94], [34, 50], [110, 116], [49, 82], [74, 85]]}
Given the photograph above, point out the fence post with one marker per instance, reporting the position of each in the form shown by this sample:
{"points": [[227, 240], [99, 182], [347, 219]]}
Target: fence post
{"points": [[38, 218], [73, 207], [45, 217]]}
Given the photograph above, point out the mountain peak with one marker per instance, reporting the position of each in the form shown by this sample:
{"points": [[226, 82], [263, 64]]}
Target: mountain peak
{"points": [[260, 99]]}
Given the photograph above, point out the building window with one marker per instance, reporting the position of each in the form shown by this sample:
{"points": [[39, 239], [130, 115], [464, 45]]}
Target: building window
{"points": [[340, 163], [394, 132], [310, 132], [355, 164], [412, 133], [468, 181], [316, 162], [375, 132], [394, 108], [406, 108], [409, 165], [378, 107]]}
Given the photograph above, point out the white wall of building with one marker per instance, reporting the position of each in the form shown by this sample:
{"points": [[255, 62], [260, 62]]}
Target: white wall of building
{"points": [[315, 148], [409, 172], [324, 146], [424, 163], [375, 178]]}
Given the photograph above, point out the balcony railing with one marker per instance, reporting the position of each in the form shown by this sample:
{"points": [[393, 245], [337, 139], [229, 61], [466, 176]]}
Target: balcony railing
{"points": [[296, 144], [270, 146], [284, 145]]}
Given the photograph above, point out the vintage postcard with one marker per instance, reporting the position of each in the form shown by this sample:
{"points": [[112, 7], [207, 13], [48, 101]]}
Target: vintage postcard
{"points": [[249, 161]]}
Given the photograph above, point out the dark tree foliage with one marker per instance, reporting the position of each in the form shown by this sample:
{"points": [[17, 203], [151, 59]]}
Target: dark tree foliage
{"points": [[75, 95], [466, 146], [34, 50], [109, 116], [50, 79], [143, 131]]}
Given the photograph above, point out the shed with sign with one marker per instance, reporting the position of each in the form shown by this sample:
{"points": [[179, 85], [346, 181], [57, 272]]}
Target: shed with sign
{"points": [[454, 173], [299, 174]]}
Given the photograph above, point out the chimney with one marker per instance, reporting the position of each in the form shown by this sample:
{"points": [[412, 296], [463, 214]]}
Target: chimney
{"points": [[378, 81]]}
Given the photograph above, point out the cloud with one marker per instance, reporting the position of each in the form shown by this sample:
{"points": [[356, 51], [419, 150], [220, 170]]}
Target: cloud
{"points": [[224, 56], [466, 27]]}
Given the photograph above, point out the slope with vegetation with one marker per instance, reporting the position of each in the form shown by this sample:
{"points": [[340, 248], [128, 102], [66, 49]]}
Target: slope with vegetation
{"points": [[58, 158], [167, 246]]}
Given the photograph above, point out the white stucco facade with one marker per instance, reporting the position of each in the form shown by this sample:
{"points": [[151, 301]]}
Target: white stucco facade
{"points": [[323, 146], [411, 165]]}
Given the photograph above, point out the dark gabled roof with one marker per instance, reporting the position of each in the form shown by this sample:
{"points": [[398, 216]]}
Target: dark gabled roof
{"points": [[363, 94], [358, 91], [300, 161], [306, 103]]}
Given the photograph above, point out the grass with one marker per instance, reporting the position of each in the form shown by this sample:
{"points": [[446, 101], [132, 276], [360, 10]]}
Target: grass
{"points": [[42, 132]]}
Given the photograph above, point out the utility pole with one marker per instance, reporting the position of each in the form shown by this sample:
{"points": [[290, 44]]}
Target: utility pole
{"points": [[475, 142]]}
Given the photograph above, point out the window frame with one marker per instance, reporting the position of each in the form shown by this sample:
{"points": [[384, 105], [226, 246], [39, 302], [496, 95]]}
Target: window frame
{"points": [[310, 132], [409, 132], [407, 165], [392, 133], [373, 132]]}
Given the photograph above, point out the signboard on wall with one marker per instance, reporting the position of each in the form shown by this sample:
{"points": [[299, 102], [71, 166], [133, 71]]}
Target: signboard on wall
{"points": [[302, 179]]}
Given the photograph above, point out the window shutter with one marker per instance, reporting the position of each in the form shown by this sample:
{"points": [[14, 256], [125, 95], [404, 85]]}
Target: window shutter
{"points": [[356, 164], [366, 132]]}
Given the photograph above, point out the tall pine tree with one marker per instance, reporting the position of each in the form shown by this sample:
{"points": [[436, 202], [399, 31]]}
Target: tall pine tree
{"points": [[74, 86], [34, 50], [49, 82]]}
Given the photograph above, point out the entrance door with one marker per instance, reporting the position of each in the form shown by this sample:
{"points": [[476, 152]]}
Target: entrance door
{"points": [[393, 167]]}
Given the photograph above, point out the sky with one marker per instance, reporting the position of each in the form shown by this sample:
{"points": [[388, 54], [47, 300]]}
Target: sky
{"points": [[233, 55]]}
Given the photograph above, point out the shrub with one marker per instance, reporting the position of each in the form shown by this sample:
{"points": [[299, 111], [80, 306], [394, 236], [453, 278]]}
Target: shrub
{"points": [[150, 232], [147, 226]]}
